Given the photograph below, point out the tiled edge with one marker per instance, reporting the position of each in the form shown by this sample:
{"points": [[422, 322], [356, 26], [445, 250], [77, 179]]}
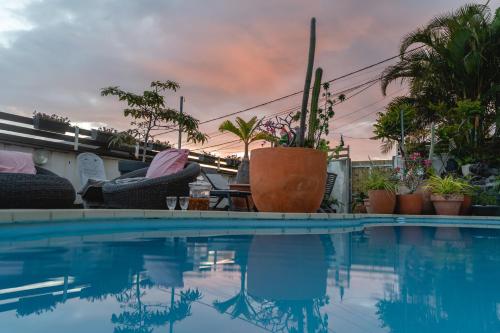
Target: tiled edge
{"points": [[45, 215], [5, 216]]}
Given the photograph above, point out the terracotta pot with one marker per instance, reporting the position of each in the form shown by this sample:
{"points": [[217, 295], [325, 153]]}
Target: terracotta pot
{"points": [[382, 201], [359, 209], [367, 206], [240, 203], [288, 179], [410, 204], [466, 207], [449, 205], [427, 206]]}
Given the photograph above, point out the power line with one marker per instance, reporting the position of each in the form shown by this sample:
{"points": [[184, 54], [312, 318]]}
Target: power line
{"points": [[299, 92]]}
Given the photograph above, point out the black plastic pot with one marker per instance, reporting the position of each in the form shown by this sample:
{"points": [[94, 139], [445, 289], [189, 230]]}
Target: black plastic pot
{"points": [[206, 159], [487, 210], [49, 125]]}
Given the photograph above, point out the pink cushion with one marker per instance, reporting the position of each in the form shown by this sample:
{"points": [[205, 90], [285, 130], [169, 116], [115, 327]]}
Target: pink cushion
{"points": [[168, 162], [16, 162]]}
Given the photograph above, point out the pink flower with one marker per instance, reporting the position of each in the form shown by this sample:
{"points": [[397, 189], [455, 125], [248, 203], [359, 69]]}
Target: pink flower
{"points": [[427, 163]]}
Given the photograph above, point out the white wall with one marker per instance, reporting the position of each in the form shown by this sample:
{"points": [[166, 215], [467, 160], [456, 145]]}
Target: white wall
{"points": [[342, 188]]}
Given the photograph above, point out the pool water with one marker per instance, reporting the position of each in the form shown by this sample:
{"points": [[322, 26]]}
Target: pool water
{"points": [[380, 279]]}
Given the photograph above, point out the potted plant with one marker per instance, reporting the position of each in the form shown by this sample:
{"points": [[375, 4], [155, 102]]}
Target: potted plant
{"points": [[486, 203], [447, 194], [232, 161], [411, 177], [207, 158], [381, 186], [50, 123], [103, 134], [291, 175], [160, 145]]}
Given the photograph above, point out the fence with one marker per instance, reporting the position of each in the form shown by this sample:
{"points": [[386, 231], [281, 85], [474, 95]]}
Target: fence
{"points": [[361, 170], [19, 130]]}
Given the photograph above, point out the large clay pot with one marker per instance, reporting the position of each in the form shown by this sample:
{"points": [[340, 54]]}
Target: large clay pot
{"points": [[466, 207], [449, 205], [288, 179], [382, 201], [410, 204]]}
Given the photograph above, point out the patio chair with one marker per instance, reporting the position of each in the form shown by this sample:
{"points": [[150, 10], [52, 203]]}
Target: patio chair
{"points": [[133, 190], [92, 173], [222, 191], [44, 189], [330, 183]]}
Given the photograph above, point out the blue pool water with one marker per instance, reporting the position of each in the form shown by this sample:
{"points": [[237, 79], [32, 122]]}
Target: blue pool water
{"points": [[379, 279]]}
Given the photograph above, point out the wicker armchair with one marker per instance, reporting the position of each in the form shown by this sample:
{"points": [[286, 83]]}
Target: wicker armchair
{"points": [[45, 189], [149, 193]]}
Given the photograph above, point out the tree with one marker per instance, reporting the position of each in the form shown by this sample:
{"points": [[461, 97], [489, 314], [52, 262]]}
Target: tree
{"points": [[458, 59], [151, 115], [248, 132]]}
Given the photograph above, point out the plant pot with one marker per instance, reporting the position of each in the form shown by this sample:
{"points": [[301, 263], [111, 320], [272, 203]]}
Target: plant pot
{"points": [[447, 205], [427, 206], [382, 201], [466, 207], [487, 210], [48, 125], [367, 205], [410, 204], [101, 137], [359, 208], [240, 203], [288, 179]]}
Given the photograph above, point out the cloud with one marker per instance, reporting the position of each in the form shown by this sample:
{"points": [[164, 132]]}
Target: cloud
{"points": [[227, 55]]}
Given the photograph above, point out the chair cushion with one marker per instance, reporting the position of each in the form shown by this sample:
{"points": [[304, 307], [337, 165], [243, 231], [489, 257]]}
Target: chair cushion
{"points": [[168, 162], [16, 162]]}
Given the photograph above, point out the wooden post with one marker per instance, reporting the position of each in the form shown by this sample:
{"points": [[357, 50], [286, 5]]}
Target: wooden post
{"points": [[77, 133]]}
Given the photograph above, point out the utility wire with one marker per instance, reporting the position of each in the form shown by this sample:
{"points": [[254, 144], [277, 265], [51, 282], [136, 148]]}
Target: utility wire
{"points": [[299, 92]]}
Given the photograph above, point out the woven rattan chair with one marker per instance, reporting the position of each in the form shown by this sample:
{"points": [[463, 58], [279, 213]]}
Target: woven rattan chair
{"points": [[45, 189], [149, 193]]}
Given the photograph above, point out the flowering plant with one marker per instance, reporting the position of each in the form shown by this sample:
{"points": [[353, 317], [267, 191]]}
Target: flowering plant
{"points": [[414, 171]]}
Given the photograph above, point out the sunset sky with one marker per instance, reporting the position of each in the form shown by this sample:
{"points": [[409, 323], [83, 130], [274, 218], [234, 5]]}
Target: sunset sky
{"points": [[227, 55]]}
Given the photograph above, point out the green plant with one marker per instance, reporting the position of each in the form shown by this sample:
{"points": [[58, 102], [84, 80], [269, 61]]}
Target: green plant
{"points": [[485, 198], [381, 180], [248, 132], [52, 117], [150, 114], [107, 130], [307, 84], [447, 186]]}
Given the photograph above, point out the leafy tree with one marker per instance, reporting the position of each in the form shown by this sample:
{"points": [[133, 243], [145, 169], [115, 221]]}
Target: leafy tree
{"points": [[456, 66], [248, 132], [150, 114]]}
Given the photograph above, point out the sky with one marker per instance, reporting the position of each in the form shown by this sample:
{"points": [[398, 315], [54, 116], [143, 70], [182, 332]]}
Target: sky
{"points": [[227, 55]]}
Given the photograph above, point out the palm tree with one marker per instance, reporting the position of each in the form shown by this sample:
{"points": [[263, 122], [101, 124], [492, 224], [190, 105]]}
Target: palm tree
{"points": [[458, 58], [248, 132]]}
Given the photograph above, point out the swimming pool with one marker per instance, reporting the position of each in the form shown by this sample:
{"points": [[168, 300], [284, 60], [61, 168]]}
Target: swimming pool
{"points": [[392, 278]]}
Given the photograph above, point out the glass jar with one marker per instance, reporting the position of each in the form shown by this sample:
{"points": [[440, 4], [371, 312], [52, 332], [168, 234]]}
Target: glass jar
{"points": [[199, 194]]}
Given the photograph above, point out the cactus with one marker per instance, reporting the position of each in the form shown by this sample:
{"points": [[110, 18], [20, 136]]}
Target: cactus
{"points": [[313, 115], [307, 85]]}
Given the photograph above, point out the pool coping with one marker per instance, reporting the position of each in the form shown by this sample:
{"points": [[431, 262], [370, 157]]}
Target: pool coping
{"points": [[10, 216]]}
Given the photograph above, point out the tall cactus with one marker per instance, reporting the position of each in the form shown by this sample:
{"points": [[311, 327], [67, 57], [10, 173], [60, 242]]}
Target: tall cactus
{"points": [[307, 85], [313, 115]]}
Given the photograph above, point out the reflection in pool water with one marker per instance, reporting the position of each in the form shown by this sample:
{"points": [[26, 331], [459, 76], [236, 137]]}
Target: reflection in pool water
{"points": [[383, 279]]}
